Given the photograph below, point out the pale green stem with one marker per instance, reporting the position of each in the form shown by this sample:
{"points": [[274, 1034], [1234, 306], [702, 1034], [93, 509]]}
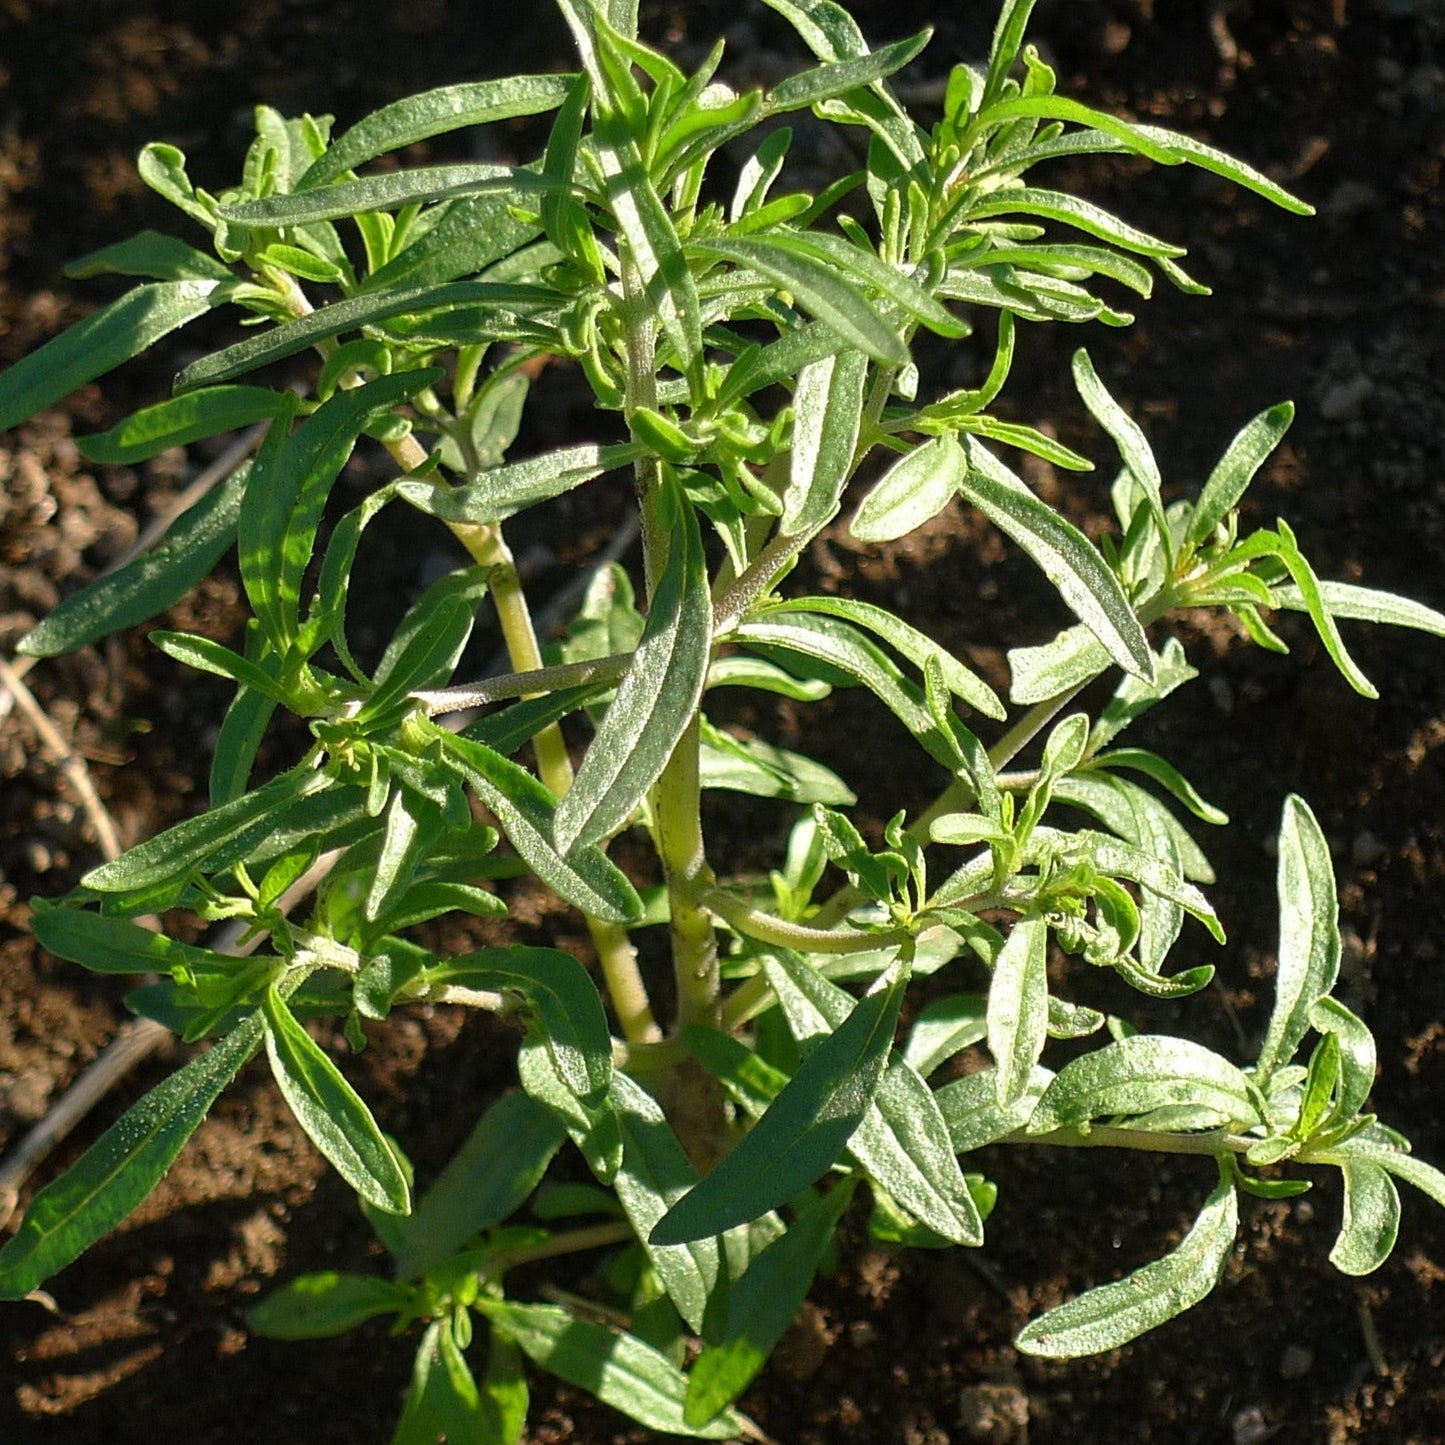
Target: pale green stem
{"points": [[1105, 1136], [615, 952], [574, 1241], [767, 928], [523, 684]]}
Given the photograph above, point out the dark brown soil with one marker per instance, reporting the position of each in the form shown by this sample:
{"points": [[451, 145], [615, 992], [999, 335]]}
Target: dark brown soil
{"points": [[1344, 101]]}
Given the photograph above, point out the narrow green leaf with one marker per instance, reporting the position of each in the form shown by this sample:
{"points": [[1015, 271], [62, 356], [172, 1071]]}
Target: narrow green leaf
{"points": [[1425, 1177], [944, 1028], [443, 1402], [1071, 211], [1163, 772], [178, 848], [909, 643], [657, 698], [1371, 1220], [1329, 1017], [819, 288], [761, 1306], [488, 1179], [391, 191], [1141, 1073], [560, 992], [149, 583], [474, 233], [752, 1083], [1365, 604], [1066, 557], [494, 495], [750, 765], [152, 254], [121, 1167], [914, 490], [828, 410], [435, 112], [645, 223], [207, 656], [903, 1143], [1236, 469], [1018, 1007], [180, 421], [972, 1112], [1207, 158], [526, 809], [1309, 934], [290, 481], [331, 1112], [1313, 599], [823, 82], [351, 314], [113, 945], [619, 1369], [1133, 446], [99, 344], [655, 1173], [805, 1129], [316, 1306], [1113, 1314], [1073, 657]]}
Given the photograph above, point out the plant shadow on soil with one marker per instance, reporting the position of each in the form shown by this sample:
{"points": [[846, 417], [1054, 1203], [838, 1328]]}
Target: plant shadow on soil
{"points": [[1342, 100]]}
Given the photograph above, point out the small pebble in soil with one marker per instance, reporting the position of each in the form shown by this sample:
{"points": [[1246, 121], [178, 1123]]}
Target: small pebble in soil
{"points": [[1249, 1427], [1296, 1361], [997, 1414]]}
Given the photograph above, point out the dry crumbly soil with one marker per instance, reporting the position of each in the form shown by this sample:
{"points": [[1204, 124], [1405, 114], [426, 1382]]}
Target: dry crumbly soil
{"points": [[1344, 100]]}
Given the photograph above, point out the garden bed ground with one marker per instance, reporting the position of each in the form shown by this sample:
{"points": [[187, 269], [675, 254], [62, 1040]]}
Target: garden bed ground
{"points": [[1344, 101]]}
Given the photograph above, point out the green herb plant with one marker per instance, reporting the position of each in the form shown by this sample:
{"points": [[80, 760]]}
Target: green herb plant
{"points": [[752, 357]]}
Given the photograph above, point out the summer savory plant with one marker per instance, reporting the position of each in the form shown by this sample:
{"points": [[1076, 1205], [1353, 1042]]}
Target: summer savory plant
{"points": [[752, 355]]}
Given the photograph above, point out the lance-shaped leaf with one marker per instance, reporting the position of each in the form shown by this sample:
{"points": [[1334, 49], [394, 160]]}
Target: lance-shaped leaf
{"points": [[474, 233], [761, 1306], [1018, 1007], [1402, 1164], [99, 344], [750, 765], [435, 112], [1141, 1073], [1064, 664], [1309, 934], [526, 809], [828, 410], [656, 251], [443, 1402], [1207, 158], [1114, 1314], [207, 656], [972, 1112], [818, 288], [914, 490], [1371, 1221], [906, 642], [152, 254], [350, 315], [149, 583], [619, 1369], [113, 945], [495, 495], [316, 1306], [1364, 604], [823, 82], [1071, 211], [655, 1173], [286, 495], [177, 849], [1134, 449], [331, 1112], [657, 698], [1067, 558], [558, 989], [121, 1167], [804, 1130], [489, 1178], [181, 420], [1241, 460]]}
